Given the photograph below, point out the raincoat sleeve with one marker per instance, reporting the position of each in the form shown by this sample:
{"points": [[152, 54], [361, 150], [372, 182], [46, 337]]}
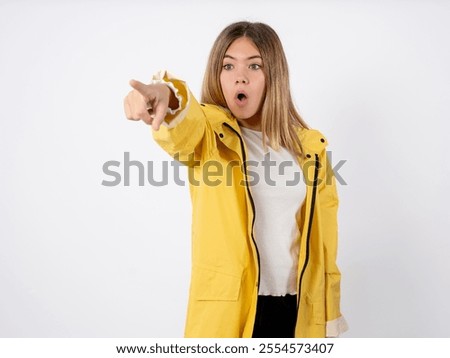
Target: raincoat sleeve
{"points": [[181, 92], [185, 129], [328, 205]]}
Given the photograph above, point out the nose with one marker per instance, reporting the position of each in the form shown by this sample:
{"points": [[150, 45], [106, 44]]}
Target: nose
{"points": [[241, 78]]}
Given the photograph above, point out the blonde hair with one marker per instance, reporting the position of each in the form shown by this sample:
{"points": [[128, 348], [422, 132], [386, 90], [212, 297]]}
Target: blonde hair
{"points": [[279, 117]]}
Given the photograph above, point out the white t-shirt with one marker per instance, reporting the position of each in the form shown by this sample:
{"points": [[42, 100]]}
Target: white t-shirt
{"points": [[278, 191]]}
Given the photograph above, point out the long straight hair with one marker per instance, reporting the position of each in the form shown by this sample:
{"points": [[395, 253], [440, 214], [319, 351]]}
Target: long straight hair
{"points": [[279, 117]]}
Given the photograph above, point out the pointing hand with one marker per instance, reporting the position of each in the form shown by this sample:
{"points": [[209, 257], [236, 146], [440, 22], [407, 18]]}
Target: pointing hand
{"points": [[148, 103]]}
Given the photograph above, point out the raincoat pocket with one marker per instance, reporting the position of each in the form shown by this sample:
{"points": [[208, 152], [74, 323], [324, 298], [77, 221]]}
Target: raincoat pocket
{"points": [[209, 284], [317, 310]]}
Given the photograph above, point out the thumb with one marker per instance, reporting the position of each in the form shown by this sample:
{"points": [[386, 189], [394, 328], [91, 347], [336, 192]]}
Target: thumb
{"points": [[138, 86], [160, 114]]}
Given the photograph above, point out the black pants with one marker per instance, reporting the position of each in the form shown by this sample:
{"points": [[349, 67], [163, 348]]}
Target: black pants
{"points": [[275, 317]]}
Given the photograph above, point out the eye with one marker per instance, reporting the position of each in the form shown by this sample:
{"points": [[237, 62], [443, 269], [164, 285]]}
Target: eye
{"points": [[255, 66], [228, 67]]}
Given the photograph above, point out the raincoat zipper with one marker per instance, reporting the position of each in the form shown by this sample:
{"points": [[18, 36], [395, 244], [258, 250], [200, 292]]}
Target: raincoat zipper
{"points": [[308, 234], [244, 159]]}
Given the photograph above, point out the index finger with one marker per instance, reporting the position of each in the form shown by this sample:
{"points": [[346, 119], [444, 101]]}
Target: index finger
{"points": [[138, 86]]}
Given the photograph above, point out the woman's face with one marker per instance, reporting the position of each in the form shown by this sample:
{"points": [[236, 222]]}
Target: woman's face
{"points": [[242, 79]]}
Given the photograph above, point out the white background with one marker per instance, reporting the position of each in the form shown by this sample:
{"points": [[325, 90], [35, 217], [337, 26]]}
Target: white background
{"points": [[79, 259]]}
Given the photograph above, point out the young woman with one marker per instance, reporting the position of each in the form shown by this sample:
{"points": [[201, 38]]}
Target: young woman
{"points": [[264, 243]]}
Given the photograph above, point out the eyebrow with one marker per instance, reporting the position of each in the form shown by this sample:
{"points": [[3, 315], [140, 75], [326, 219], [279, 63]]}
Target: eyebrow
{"points": [[248, 58]]}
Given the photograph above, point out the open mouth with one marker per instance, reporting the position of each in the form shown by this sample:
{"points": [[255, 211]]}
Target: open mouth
{"points": [[241, 97]]}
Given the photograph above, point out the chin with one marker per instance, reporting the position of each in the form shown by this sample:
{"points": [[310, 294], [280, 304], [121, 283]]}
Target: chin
{"points": [[243, 115]]}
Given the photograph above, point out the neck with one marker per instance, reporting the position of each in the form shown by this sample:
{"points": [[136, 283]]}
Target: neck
{"points": [[252, 122]]}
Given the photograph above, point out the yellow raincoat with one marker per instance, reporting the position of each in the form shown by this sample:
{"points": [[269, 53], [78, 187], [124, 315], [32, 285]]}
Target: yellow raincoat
{"points": [[225, 260]]}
